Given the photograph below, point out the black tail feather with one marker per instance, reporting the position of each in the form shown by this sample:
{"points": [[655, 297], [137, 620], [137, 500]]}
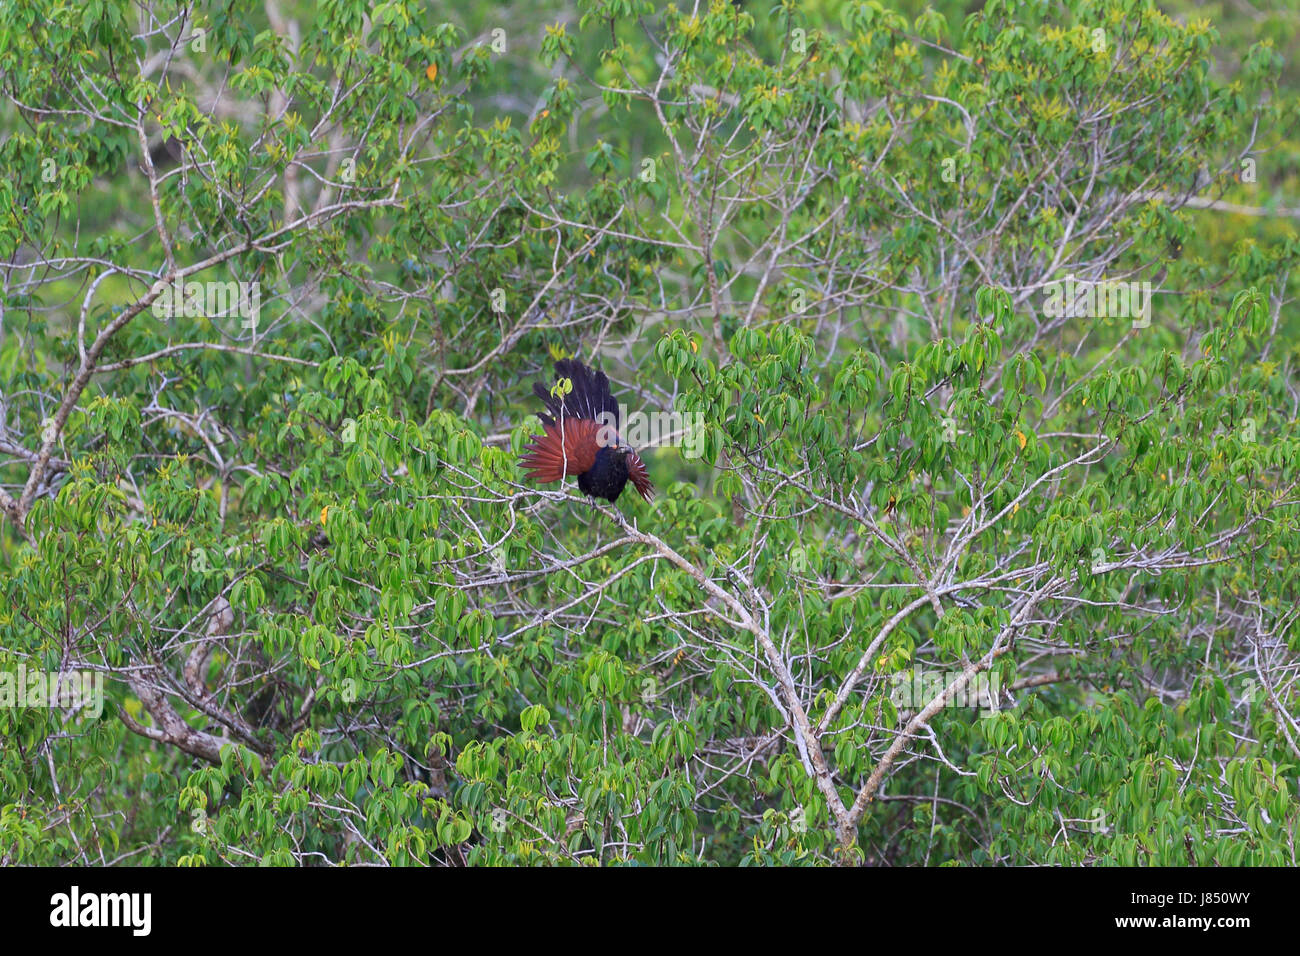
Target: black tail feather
{"points": [[590, 397]]}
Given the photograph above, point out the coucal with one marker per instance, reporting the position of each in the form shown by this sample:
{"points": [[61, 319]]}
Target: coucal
{"points": [[581, 437]]}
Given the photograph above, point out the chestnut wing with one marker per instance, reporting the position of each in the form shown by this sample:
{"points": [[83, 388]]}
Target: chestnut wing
{"points": [[567, 447], [639, 477]]}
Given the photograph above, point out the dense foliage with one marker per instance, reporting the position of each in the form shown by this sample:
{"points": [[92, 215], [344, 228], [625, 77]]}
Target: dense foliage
{"points": [[948, 566]]}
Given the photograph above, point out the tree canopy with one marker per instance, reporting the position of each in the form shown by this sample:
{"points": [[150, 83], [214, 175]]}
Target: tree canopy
{"points": [[966, 341]]}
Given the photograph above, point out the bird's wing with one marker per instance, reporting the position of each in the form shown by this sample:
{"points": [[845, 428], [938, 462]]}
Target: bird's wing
{"points": [[637, 474], [568, 447]]}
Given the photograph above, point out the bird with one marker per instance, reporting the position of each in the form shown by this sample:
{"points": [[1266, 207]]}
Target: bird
{"points": [[580, 437]]}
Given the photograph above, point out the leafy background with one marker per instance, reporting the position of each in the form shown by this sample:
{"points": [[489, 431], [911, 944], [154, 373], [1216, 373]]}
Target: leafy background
{"points": [[334, 625]]}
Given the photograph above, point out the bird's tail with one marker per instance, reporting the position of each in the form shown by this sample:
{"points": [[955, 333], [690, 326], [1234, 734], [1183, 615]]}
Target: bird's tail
{"points": [[579, 392]]}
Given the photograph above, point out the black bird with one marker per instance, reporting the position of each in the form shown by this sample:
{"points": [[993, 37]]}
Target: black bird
{"points": [[581, 437]]}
